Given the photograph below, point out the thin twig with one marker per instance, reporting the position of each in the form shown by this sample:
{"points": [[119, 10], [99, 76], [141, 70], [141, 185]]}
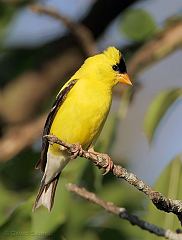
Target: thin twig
{"points": [[82, 33], [161, 202], [123, 213]]}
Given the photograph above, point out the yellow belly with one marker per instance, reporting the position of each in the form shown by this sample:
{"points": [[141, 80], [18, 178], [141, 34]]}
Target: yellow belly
{"points": [[82, 115]]}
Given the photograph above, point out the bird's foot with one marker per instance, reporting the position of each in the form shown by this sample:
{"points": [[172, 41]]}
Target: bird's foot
{"points": [[76, 150], [50, 138], [108, 166]]}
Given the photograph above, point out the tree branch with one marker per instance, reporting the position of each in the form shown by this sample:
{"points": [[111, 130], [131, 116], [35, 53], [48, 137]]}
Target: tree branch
{"points": [[81, 32], [161, 202], [17, 139], [123, 213]]}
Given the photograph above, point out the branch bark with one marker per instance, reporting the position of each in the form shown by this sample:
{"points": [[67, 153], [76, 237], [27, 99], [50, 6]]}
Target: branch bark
{"points": [[123, 213], [101, 160]]}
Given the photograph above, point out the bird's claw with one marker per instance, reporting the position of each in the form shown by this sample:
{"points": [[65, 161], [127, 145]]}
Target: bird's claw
{"points": [[76, 150], [108, 166], [50, 139]]}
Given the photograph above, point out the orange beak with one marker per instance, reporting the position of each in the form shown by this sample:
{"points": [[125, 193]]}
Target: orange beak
{"points": [[124, 78]]}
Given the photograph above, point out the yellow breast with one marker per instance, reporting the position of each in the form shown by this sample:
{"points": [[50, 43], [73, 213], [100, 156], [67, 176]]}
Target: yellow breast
{"points": [[83, 113]]}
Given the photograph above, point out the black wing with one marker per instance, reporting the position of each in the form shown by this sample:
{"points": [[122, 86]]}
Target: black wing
{"points": [[45, 144]]}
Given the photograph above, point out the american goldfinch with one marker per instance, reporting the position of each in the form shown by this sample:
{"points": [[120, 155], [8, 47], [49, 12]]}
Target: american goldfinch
{"points": [[78, 115]]}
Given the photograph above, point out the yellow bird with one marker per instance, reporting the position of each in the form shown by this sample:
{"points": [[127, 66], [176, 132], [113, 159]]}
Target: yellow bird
{"points": [[78, 115]]}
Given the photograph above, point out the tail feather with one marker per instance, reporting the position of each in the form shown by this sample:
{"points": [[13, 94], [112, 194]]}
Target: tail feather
{"points": [[46, 194], [54, 165]]}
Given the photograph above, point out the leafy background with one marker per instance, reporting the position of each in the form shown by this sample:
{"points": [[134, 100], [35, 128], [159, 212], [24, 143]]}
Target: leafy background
{"points": [[72, 217]]}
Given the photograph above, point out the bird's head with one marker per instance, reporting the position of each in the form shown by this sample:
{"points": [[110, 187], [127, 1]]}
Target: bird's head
{"points": [[108, 67], [115, 66]]}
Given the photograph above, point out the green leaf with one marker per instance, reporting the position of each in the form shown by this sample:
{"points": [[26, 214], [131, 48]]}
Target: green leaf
{"points": [[158, 109], [169, 184], [138, 24]]}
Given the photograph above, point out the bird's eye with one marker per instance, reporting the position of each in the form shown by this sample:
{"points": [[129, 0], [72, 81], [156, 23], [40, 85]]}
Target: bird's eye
{"points": [[115, 67]]}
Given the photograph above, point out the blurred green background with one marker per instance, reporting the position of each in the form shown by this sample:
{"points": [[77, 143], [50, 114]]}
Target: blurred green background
{"points": [[143, 132]]}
